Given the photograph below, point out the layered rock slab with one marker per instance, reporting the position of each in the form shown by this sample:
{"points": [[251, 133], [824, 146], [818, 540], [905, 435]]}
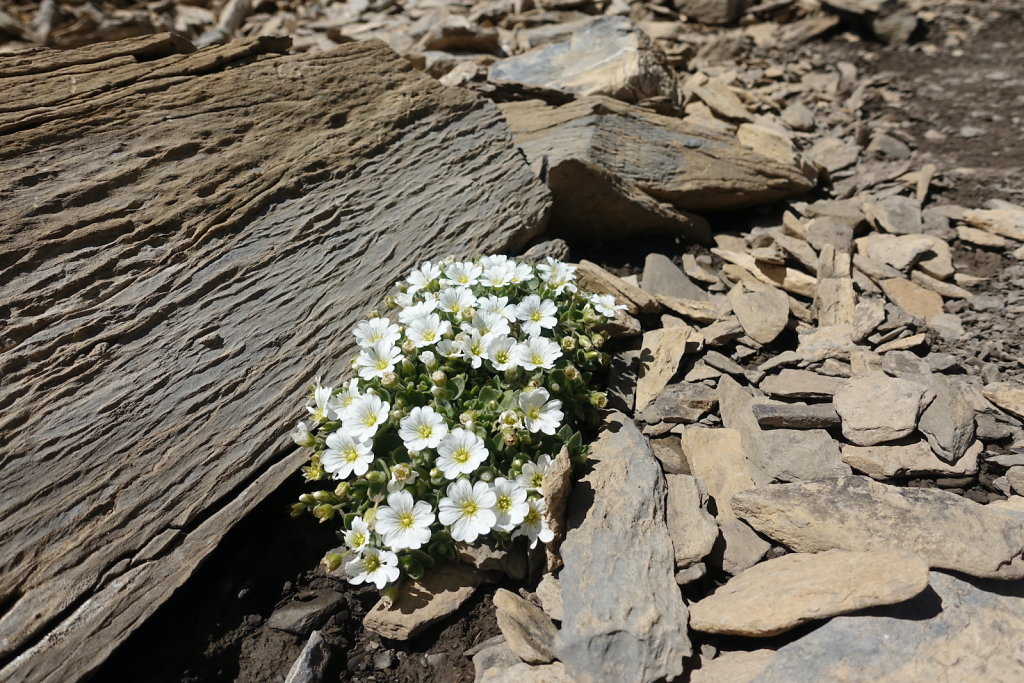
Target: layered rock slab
{"points": [[858, 513], [780, 594], [958, 630], [623, 613], [210, 225]]}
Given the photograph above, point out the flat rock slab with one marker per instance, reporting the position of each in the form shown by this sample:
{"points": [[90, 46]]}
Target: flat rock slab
{"points": [[914, 459], [660, 355], [1009, 396], [421, 603], [661, 276], [605, 56], [876, 408], [796, 415], [801, 384], [780, 594], [692, 527], [209, 227], [956, 631], [528, 631], [634, 632], [857, 513], [717, 458], [763, 314]]}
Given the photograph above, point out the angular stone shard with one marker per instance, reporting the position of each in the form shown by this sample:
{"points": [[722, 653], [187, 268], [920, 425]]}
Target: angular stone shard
{"points": [[633, 633], [528, 632], [780, 594], [738, 547], [912, 298], [876, 408], [424, 602], [801, 384], [607, 56], [682, 402], [716, 457], [763, 314], [691, 526], [661, 276], [948, 421], [962, 630], [800, 454], [662, 351], [914, 459], [857, 513], [739, 666], [796, 415], [1009, 396]]}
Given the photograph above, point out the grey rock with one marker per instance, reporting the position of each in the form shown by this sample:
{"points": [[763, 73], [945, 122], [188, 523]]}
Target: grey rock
{"points": [[958, 630], [622, 376], [801, 384], [556, 248], [528, 673], [669, 453], [876, 408], [738, 666], [692, 573], [549, 592], [796, 415], [948, 421], [735, 406], [423, 602], [857, 513], [800, 454], [661, 276], [898, 215], [831, 230], [311, 664], [486, 557], [713, 12], [1015, 477], [724, 363], [494, 657], [528, 631], [738, 547], [894, 29], [603, 635], [867, 316], [607, 56], [763, 314], [912, 459], [683, 402], [901, 252], [798, 117], [691, 526], [302, 616]]}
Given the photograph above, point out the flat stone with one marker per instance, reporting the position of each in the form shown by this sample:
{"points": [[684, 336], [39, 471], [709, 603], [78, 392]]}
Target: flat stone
{"points": [[1015, 476], [867, 316], [958, 630], [528, 632], [302, 616], [912, 298], [694, 572], [798, 117], [484, 556], [857, 513], [738, 547], [801, 384], [681, 402], [311, 664], [796, 415], [948, 290], [661, 276], [556, 487], [832, 230], [662, 351], [710, 11], [594, 278], [834, 154], [913, 459], [549, 592], [800, 454], [762, 314], [898, 215], [423, 602], [527, 673], [607, 56], [733, 667], [901, 252], [491, 660], [604, 636], [876, 408], [721, 100], [948, 325], [778, 595], [939, 266], [980, 238], [670, 454], [722, 332], [717, 458], [691, 526], [1008, 396]]}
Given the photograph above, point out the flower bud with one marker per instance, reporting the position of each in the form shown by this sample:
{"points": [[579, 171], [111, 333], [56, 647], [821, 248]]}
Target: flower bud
{"points": [[298, 509], [352, 363], [605, 359], [486, 475], [585, 343], [302, 436], [598, 399], [555, 387], [391, 302], [429, 360], [389, 380], [439, 378], [492, 405], [324, 497], [412, 566], [437, 392], [331, 562], [568, 343], [510, 438], [307, 499], [517, 464], [408, 367], [571, 373], [408, 346], [389, 594], [467, 419], [341, 491], [598, 340], [375, 477], [323, 512]]}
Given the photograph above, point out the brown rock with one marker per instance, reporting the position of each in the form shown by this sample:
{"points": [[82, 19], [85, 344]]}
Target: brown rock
{"points": [[801, 384], [876, 408], [528, 632], [762, 314], [912, 298], [716, 457], [733, 667], [594, 278], [781, 594], [691, 526], [662, 351], [661, 276], [1008, 396], [914, 459], [738, 547], [421, 603]]}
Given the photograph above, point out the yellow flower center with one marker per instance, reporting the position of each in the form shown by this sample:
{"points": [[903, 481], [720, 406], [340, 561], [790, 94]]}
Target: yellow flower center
{"points": [[536, 480], [461, 456], [350, 455], [406, 521], [382, 364], [537, 359], [372, 563], [536, 316], [425, 431], [358, 540], [470, 508], [534, 412], [429, 335], [532, 517], [504, 503], [370, 419]]}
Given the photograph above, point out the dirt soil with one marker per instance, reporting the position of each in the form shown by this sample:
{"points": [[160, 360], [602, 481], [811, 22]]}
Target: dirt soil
{"points": [[954, 83]]}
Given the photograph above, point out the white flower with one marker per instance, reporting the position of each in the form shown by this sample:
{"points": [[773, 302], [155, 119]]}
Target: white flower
{"points": [[523, 272], [348, 394], [605, 304], [474, 346], [501, 353], [379, 567], [559, 276], [487, 323], [358, 536], [301, 435], [537, 352], [510, 419], [362, 418], [429, 360], [499, 274], [468, 509], [410, 313], [427, 330], [404, 300], [449, 348], [369, 332], [401, 476], [535, 526], [532, 476], [536, 314], [456, 300], [403, 522], [510, 505], [377, 360], [325, 406], [498, 305], [494, 260], [462, 274], [540, 414], [422, 428], [346, 455], [460, 452], [423, 276]]}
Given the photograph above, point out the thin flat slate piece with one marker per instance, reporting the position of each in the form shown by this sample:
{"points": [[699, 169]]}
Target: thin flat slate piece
{"points": [[185, 246], [624, 618]]}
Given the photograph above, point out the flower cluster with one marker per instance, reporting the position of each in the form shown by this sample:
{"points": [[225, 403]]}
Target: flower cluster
{"points": [[459, 404]]}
